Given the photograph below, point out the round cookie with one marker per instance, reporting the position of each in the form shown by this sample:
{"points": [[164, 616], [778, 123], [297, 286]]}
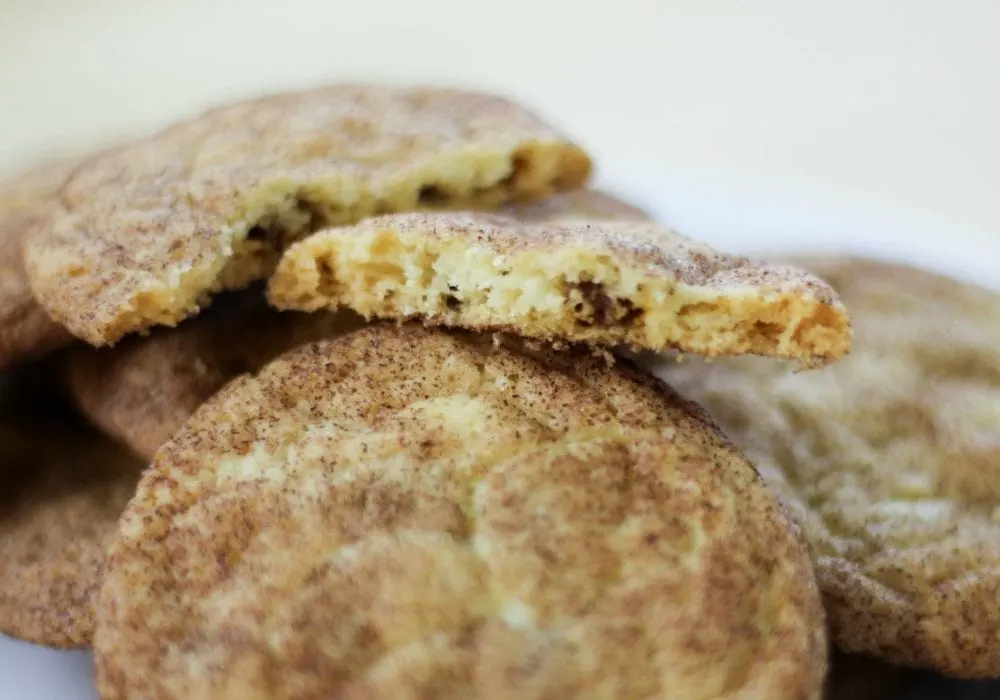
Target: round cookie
{"points": [[143, 389], [26, 331], [890, 461], [406, 513], [62, 490], [602, 281], [148, 231]]}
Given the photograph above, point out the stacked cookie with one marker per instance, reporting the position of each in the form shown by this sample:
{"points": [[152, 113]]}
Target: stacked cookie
{"points": [[370, 374]]}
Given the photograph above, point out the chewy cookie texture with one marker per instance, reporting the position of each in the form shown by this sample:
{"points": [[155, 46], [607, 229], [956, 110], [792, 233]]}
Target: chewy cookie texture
{"points": [[889, 460], [143, 234], [627, 282], [402, 512]]}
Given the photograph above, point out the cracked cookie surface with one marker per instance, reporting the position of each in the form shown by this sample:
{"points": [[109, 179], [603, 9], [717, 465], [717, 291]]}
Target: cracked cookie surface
{"points": [[890, 461], [601, 281], [148, 231], [407, 513]]}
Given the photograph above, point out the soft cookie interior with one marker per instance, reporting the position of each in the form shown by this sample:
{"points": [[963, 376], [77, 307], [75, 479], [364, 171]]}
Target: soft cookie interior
{"points": [[542, 281]]}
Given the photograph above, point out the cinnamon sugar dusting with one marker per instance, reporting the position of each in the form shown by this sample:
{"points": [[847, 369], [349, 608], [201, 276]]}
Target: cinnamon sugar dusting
{"points": [[402, 512]]}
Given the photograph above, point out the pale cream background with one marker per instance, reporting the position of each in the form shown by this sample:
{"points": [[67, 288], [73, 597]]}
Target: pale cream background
{"points": [[766, 123], [867, 124]]}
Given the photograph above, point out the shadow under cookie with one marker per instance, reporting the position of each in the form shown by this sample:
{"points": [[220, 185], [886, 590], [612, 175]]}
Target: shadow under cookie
{"points": [[142, 390]]}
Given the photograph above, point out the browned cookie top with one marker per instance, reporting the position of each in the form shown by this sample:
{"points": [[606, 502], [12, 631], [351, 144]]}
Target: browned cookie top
{"points": [[147, 231], [401, 512]]}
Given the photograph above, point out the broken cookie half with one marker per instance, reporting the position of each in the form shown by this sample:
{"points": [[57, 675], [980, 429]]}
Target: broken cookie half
{"points": [[604, 282], [146, 232]]}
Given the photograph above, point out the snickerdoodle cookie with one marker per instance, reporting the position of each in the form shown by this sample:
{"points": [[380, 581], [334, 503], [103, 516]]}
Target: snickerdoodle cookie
{"points": [[890, 461], [407, 513], [146, 232], [599, 281]]}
